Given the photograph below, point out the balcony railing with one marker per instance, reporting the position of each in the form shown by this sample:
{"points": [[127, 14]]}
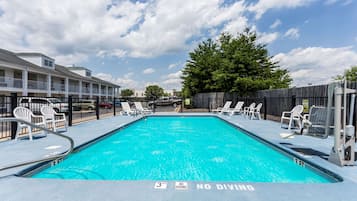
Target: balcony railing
{"points": [[85, 90], [10, 82], [73, 88], [95, 90], [58, 87], [34, 84]]}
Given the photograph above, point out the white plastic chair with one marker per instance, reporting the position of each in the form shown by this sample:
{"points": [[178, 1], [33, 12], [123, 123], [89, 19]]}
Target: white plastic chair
{"points": [[249, 108], [238, 108], [27, 115], [139, 107], [293, 116], [50, 117], [226, 107], [255, 112], [126, 109]]}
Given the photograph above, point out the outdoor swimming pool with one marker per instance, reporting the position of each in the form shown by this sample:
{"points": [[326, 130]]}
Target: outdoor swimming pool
{"points": [[183, 148]]}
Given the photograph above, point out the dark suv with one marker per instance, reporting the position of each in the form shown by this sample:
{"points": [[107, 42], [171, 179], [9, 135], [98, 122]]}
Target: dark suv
{"points": [[166, 101]]}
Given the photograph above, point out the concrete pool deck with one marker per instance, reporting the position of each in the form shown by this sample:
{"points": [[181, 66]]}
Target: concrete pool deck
{"points": [[13, 188]]}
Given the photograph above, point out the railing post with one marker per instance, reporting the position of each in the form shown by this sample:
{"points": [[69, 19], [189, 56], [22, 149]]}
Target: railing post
{"points": [[182, 105], [13, 105], [293, 101], [70, 110], [114, 110], [209, 104], [265, 107], [97, 107]]}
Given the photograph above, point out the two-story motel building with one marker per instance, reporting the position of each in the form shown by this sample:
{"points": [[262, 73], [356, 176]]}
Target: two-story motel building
{"points": [[35, 74]]}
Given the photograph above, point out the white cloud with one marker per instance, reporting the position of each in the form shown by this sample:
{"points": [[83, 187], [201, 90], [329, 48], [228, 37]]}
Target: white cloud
{"points": [[62, 28], [292, 33], [267, 38], [347, 2], [275, 24], [236, 26], [148, 71], [125, 81], [73, 31], [121, 29], [174, 65], [343, 2], [316, 65], [264, 5], [167, 29], [330, 2], [173, 80]]}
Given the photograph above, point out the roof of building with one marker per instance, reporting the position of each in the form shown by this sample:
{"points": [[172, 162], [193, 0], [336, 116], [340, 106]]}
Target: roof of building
{"points": [[31, 54], [12, 58], [78, 68], [100, 80]]}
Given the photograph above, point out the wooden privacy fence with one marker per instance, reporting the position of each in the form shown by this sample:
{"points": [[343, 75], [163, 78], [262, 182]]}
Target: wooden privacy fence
{"points": [[274, 101]]}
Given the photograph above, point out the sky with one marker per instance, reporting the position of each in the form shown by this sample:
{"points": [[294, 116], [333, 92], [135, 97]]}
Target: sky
{"points": [[139, 43]]}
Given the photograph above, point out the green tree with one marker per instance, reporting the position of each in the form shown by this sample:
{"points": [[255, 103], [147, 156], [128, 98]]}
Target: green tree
{"points": [[349, 75], [232, 64], [197, 75], [126, 92], [153, 92]]}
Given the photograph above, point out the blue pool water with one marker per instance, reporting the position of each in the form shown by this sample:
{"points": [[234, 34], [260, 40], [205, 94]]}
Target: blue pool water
{"points": [[182, 148]]}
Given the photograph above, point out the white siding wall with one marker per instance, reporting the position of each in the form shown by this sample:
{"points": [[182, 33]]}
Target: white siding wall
{"points": [[34, 60]]}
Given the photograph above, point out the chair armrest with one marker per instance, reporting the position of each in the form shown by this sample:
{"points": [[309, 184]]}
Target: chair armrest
{"points": [[306, 116], [39, 116], [285, 113], [60, 114]]}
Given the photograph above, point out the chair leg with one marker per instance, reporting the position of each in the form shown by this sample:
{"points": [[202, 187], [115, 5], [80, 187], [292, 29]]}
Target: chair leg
{"points": [[66, 125], [30, 132], [290, 123], [54, 126], [299, 124], [18, 130]]}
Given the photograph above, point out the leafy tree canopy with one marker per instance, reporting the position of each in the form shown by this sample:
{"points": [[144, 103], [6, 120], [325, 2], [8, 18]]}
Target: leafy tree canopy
{"points": [[126, 92], [349, 75], [153, 92], [232, 64]]}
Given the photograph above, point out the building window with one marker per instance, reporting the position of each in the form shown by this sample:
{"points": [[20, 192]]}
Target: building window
{"points": [[2, 75], [88, 73], [48, 63]]}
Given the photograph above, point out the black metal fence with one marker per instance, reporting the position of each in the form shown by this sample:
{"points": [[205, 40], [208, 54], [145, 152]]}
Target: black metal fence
{"points": [[76, 110]]}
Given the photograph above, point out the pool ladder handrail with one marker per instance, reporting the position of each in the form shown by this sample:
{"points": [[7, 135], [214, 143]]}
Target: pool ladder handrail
{"points": [[55, 157]]}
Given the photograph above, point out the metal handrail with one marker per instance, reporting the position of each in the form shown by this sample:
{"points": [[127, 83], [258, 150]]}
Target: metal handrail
{"points": [[43, 159]]}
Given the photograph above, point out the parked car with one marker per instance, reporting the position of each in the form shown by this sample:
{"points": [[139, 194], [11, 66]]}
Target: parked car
{"points": [[85, 104], [117, 103], [106, 105], [166, 101], [35, 104]]}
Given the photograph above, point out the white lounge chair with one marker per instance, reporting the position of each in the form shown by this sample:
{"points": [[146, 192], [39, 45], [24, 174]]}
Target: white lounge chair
{"points": [[27, 115], [293, 116], [50, 117], [226, 106], [249, 108], [139, 107], [238, 108], [126, 109], [255, 112]]}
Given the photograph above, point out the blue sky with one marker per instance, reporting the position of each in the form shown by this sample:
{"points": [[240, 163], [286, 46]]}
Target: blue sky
{"points": [[136, 43]]}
